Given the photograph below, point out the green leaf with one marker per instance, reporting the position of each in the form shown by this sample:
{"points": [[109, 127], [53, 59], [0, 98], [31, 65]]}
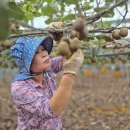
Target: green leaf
{"points": [[33, 10], [48, 1], [4, 23], [47, 10], [104, 24], [109, 14], [14, 11], [48, 21], [90, 38], [60, 1], [100, 8], [37, 14], [29, 15], [35, 1], [62, 7], [87, 6], [69, 2], [68, 17]]}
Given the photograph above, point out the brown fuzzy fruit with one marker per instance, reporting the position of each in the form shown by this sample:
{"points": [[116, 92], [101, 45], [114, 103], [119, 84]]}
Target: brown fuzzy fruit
{"points": [[57, 36], [74, 44], [64, 50], [108, 38], [65, 39], [7, 43], [123, 32], [83, 34], [93, 59], [116, 34], [79, 24], [73, 34]]}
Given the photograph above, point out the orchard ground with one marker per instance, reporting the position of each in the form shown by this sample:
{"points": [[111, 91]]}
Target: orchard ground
{"points": [[99, 101]]}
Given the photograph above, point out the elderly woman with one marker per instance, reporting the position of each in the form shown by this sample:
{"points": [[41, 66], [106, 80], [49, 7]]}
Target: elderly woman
{"points": [[38, 101]]}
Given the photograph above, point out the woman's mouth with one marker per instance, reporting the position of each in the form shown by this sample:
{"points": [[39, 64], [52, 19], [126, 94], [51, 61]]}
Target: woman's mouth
{"points": [[47, 61]]}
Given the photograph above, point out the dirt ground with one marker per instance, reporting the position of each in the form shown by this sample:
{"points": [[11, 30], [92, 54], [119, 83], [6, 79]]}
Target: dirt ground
{"points": [[97, 103]]}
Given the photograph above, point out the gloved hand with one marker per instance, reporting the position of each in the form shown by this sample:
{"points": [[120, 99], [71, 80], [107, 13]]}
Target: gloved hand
{"points": [[55, 26], [73, 64]]}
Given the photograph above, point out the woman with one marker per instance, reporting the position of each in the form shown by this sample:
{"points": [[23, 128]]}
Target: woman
{"points": [[38, 101]]}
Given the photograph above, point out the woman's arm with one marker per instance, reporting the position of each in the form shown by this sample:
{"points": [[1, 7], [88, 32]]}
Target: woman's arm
{"points": [[61, 96], [71, 67]]}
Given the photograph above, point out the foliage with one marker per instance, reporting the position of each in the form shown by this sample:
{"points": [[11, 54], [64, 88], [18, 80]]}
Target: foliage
{"points": [[56, 10]]}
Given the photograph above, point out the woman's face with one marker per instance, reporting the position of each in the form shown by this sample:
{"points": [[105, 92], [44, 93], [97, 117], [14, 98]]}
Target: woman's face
{"points": [[41, 60]]}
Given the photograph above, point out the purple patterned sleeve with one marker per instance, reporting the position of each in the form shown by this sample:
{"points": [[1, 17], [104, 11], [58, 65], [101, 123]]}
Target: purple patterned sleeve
{"points": [[31, 100], [57, 64]]}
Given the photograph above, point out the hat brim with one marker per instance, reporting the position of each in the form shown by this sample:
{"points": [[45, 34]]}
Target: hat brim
{"points": [[47, 44]]}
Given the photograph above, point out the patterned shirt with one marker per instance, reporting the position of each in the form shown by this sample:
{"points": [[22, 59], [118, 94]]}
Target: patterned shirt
{"points": [[31, 101]]}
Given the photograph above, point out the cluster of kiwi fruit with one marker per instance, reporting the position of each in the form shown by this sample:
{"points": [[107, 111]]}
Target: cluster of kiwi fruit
{"points": [[68, 45], [79, 29], [118, 33]]}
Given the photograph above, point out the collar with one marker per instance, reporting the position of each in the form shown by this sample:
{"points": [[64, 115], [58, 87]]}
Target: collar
{"points": [[36, 84]]}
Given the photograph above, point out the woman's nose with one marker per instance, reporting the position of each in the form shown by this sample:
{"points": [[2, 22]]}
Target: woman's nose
{"points": [[44, 54]]}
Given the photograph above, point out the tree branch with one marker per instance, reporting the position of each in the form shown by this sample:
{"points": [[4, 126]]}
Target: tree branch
{"points": [[90, 20], [123, 16], [98, 15], [47, 31]]}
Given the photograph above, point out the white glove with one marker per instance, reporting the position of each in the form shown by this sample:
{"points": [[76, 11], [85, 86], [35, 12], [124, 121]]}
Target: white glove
{"points": [[55, 25], [73, 64]]}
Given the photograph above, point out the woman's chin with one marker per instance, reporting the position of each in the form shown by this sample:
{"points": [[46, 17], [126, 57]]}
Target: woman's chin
{"points": [[47, 66]]}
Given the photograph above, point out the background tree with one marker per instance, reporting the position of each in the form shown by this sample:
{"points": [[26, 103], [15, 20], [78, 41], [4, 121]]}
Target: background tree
{"points": [[15, 15]]}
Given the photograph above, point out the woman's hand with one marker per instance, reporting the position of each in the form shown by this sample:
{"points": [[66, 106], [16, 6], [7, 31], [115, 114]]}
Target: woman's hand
{"points": [[55, 25], [73, 64], [55, 34]]}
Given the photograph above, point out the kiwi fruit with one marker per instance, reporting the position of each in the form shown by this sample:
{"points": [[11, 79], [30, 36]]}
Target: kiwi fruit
{"points": [[73, 34], [83, 34], [79, 24], [65, 39], [123, 32], [93, 59], [74, 44], [64, 50], [116, 34], [7, 43], [108, 38], [57, 36]]}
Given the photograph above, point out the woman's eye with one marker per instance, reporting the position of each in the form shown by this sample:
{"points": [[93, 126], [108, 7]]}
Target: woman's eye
{"points": [[37, 52]]}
